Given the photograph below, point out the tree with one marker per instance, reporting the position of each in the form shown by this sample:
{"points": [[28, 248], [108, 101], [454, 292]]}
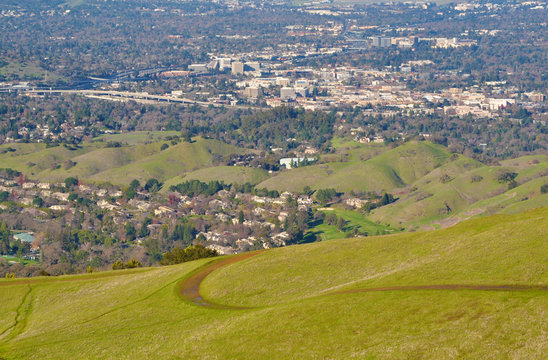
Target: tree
{"points": [[186, 136], [153, 185], [325, 195], [506, 176], [38, 202], [144, 232], [135, 184], [241, 217], [5, 235], [130, 231], [71, 182], [341, 223], [386, 199]]}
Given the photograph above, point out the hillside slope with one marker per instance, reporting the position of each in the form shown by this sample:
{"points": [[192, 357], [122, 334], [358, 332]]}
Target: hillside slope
{"points": [[393, 169], [140, 158], [464, 188], [380, 297]]}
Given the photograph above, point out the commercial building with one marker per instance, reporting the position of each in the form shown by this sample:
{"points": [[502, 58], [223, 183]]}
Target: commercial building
{"points": [[237, 68]]}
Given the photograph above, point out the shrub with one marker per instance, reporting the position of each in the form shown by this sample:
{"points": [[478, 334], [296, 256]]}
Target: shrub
{"points": [[506, 176], [476, 178], [43, 273], [132, 263], [544, 189], [118, 265], [178, 255], [445, 178]]}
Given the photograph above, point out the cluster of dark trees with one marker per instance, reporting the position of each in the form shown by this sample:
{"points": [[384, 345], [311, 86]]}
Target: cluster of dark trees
{"points": [[197, 187]]}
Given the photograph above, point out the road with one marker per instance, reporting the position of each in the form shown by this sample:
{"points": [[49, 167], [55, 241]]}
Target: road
{"points": [[126, 95]]}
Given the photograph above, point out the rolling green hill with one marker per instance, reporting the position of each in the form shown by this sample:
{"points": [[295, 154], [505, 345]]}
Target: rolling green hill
{"points": [[464, 188], [140, 157], [228, 174], [392, 169], [476, 290]]}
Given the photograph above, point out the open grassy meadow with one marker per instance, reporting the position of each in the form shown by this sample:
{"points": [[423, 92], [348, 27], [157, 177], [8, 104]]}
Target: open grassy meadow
{"points": [[140, 156], [475, 290]]}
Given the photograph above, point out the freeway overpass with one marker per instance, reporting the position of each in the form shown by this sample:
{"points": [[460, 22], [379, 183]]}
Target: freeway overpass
{"points": [[126, 95]]}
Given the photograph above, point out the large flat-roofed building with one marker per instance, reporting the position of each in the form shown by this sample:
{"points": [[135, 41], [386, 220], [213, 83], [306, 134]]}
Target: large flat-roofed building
{"points": [[237, 68], [287, 93], [198, 67], [253, 91], [224, 63]]}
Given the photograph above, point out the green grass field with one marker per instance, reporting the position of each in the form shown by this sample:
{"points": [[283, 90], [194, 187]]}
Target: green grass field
{"points": [[25, 71], [364, 168], [354, 219], [306, 302]]}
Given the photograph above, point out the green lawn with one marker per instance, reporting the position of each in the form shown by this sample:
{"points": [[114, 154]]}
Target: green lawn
{"points": [[355, 220], [25, 71], [19, 260], [140, 314]]}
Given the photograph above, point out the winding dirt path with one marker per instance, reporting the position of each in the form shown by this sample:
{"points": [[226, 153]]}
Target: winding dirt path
{"points": [[448, 287], [190, 287]]}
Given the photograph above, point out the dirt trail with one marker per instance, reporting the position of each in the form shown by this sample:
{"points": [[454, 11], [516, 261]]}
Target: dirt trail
{"points": [[448, 287], [190, 287]]}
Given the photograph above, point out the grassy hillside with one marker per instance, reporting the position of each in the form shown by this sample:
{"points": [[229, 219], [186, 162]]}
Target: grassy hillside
{"points": [[140, 157], [306, 302], [169, 163], [361, 170], [228, 174], [464, 188]]}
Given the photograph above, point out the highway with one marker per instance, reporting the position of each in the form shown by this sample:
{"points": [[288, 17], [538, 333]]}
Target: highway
{"points": [[125, 95]]}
